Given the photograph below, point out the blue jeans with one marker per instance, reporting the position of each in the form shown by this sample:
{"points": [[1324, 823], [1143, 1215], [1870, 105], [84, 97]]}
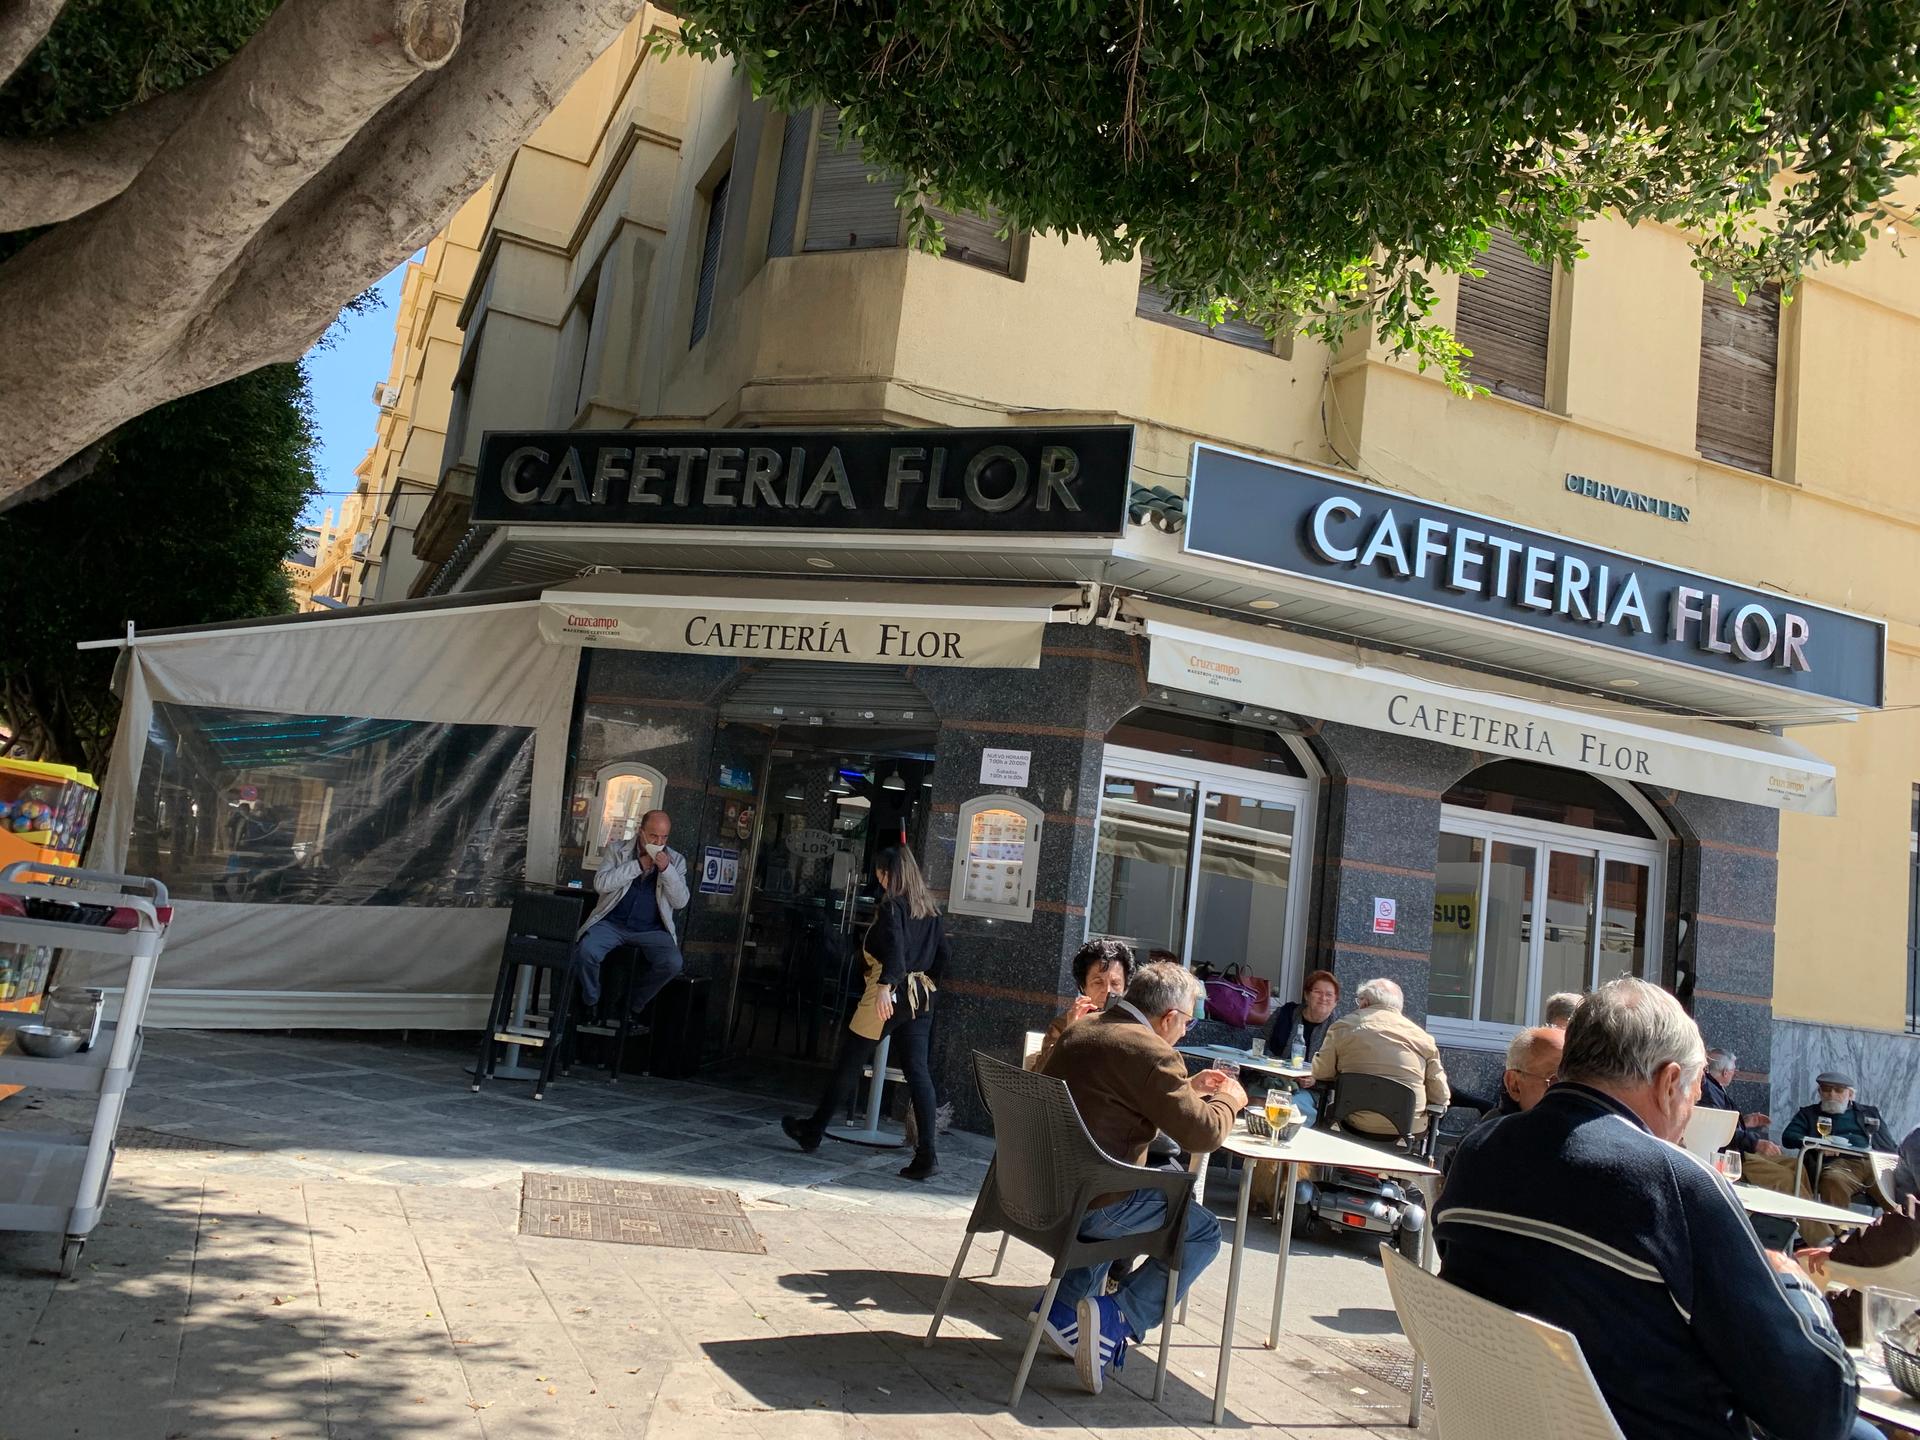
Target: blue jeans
{"points": [[1304, 1102], [1143, 1299], [659, 962]]}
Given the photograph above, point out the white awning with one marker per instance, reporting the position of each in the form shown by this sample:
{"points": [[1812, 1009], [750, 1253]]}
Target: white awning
{"points": [[1405, 696], [861, 622]]}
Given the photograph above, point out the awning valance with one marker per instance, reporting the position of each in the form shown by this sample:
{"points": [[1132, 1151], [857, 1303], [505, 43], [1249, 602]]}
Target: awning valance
{"points": [[860, 622], [1405, 696]]}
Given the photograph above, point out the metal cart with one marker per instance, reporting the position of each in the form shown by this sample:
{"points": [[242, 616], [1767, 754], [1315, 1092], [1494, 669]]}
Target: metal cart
{"points": [[55, 1182]]}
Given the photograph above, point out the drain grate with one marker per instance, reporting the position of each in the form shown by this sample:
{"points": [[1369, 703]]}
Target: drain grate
{"points": [[133, 1138], [1388, 1361], [619, 1212]]}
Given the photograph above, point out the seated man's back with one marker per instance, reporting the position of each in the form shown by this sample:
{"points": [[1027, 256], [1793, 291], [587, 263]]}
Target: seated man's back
{"points": [[1575, 1212], [1377, 1039]]}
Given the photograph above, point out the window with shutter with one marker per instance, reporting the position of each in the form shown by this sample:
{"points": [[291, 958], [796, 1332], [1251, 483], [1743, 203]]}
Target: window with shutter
{"points": [[851, 207], [1739, 377], [1504, 319], [789, 183], [972, 239], [1152, 305], [709, 258]]}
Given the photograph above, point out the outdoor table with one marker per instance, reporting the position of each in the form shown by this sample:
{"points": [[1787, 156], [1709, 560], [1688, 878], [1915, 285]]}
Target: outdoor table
{"points": [[1759, 1200], [1308, 1147], [1886, 1402], [1246, 1060], [1814, 1145]]}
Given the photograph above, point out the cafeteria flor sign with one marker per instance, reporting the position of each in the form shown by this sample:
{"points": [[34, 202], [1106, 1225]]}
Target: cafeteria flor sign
{"points": [[973, 642], [1057, 481], [1389, 543]]}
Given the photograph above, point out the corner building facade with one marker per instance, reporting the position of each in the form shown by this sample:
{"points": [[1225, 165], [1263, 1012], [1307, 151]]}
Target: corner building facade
{"points": [[1305, 662]]}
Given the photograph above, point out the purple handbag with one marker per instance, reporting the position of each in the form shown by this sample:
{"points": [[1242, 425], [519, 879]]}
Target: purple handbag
{"points": [[1229, 1003]]}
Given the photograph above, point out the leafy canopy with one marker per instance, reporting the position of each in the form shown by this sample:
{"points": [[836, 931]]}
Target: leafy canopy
{"points": [[1315, 158]]}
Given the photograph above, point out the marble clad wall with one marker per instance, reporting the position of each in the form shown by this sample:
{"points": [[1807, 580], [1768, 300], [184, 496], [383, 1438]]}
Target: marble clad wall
{"points": [[1885, 1066]]}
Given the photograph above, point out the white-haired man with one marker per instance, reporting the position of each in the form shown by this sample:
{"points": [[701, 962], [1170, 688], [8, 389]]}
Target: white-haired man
{"points": [[1585, 1213], [1378, 1039]]}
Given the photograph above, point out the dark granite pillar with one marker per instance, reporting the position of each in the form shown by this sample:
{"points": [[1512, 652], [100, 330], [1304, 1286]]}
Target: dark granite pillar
{"points": [[1010, 978], [1725, 867]]}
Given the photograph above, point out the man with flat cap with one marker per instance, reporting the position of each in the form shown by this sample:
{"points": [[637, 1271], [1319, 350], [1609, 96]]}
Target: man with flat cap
{"points": [[1834, 1119]]}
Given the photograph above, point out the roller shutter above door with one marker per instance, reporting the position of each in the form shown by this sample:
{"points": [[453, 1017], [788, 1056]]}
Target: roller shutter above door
{"points": [[794, 691]]}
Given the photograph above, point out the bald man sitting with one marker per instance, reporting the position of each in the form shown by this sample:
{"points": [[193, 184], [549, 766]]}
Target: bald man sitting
{"points": [[640, 884]]}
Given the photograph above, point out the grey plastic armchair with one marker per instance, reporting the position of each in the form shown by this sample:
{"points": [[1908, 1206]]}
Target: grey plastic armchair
{"points": [[1046, 1173]]}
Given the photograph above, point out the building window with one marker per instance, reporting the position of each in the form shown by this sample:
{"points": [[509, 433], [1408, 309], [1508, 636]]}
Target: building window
{"points": [[1200, 822], [1739, 377], [710, 258], [790, 182], [1504, 319], [1913, 914], [1152, 304], [1547, 880]]}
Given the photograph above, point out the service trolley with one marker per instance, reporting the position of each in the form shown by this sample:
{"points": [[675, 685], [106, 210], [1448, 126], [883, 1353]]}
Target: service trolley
{"points": [[55, 1182]]}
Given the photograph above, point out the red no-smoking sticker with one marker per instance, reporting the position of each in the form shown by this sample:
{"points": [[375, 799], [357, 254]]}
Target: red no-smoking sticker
{"points": [[1386, 915]]}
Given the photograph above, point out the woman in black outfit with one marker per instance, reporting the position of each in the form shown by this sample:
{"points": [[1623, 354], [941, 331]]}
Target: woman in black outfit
{"points": [[905, 952]]}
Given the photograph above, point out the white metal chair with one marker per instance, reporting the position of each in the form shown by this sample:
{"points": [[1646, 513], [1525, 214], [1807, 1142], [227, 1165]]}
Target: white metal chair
{"points": [[1708, 1132], [1496, 1375]]}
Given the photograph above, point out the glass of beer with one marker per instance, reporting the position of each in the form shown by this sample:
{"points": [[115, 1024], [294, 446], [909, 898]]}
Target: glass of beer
{"points": [[1824, 1125], [1276, 1109]]}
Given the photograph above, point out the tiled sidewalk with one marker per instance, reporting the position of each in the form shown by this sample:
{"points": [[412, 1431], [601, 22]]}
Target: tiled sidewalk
{"points": [[356, 1273]]}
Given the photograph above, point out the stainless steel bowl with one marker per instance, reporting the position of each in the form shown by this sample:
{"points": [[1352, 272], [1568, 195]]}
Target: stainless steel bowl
{"points": [[47, 1042]]}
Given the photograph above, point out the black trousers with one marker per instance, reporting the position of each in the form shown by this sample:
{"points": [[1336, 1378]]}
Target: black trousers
{"points": [[908, 1051]]}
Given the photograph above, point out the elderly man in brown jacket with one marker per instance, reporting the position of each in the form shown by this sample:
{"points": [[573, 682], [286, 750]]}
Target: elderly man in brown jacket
{"points": [[1377, 1039], [1129, 1084]]}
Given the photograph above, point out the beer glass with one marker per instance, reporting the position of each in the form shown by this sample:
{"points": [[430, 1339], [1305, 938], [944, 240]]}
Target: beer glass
{"points": [[1824, 1125]]}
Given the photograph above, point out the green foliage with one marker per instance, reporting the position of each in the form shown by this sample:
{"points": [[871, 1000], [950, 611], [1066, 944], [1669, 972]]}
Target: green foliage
{"points": [[1313, 158], [187, 520]]}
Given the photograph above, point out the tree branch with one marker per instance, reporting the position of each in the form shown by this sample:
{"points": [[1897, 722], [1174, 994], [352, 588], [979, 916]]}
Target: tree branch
{"points": [[89, 355], [56, 177], [23, 25]]}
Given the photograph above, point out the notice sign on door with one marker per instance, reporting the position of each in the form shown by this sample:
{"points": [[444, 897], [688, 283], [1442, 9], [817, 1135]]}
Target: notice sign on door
{"points": [[1005, 767], [719, 871], [1386, 915]]}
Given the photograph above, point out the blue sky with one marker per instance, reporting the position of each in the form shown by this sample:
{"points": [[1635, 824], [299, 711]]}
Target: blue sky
{"points": [[342, 379]]}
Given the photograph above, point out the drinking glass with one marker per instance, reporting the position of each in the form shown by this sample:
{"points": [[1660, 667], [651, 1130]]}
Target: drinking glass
{"points": [[1259, 1049], [1729, 1165], [1276, 1107], [1824, 1125], [1883, 1311]]}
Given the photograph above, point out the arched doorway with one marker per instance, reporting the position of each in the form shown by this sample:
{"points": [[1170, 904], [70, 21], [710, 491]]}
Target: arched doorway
{"points": [[1547, 880], [1203, 843]]}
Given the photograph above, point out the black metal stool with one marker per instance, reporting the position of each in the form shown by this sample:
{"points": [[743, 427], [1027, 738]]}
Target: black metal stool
{"points": [[623, 962], [540, 934]]}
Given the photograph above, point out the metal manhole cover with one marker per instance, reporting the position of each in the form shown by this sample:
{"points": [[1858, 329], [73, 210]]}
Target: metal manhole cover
{"points": [[1388, 1361], [622, 1212], [137, 1139], [591, 1190]]}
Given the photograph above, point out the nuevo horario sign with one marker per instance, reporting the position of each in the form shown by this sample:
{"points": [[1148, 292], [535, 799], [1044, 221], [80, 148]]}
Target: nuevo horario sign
{"points": [[1058, 481]]}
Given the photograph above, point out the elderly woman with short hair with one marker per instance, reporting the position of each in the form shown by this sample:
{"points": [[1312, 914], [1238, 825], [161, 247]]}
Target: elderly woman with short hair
{"points": [[1101, 970]]}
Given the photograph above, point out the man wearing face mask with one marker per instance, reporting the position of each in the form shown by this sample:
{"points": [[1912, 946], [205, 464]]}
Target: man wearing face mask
{"points": [[640, 884], [1585, 1213]]}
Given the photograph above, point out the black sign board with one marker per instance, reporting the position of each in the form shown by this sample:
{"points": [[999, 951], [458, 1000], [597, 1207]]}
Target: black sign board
{"points": [[1388, 543], [1000, 481]]}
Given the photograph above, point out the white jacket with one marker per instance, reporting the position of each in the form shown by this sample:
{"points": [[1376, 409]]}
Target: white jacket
{"points": [[616, 876]]}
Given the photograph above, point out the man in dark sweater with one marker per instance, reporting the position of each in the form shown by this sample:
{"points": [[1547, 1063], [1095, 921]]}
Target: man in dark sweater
{"points": [[1585, 1213], [1129, 1084]]}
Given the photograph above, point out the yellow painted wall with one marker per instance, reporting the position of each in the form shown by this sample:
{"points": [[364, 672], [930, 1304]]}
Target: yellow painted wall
{"points": [[617, 179]]}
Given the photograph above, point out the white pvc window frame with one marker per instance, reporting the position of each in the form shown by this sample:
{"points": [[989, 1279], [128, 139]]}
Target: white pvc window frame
{"points": [[1545, 837], [1206, 777], [1020, 907], [603, 779]]}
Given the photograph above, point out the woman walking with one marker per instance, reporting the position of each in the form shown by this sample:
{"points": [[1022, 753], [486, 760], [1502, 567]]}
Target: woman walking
{"points": [[905, 952]]}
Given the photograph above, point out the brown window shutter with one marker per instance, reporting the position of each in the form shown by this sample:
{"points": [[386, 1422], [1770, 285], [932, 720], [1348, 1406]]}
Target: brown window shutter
{"points": [[971, 239], [1739, 377], [1152, 305], [1504, 319], [848, 210], [788, 180]]}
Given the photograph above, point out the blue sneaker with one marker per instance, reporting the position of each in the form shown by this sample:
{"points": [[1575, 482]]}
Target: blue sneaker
{"points": [[1060, 1327], [1104, 1334]]}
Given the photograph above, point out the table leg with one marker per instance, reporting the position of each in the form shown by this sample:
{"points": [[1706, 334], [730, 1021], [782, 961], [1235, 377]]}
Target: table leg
{"points": [[1233, 1291], [1419, 1381], [1289, 1177]]}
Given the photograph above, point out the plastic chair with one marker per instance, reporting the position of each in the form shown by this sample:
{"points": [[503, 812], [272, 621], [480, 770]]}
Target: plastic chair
{"points": [[1709, 1131], [1399, 1104], [1496, 1375], [1045, 1175]]}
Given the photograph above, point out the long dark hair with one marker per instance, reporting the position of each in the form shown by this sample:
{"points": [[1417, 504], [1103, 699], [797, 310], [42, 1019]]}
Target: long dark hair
{"points": [[900, 872]]}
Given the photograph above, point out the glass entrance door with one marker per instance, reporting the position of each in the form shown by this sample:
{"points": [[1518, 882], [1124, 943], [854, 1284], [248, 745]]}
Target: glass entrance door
{"points": [[1196, 862]]}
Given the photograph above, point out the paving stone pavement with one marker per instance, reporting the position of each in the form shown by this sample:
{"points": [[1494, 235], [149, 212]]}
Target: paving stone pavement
{"points": [[352, 1269]]}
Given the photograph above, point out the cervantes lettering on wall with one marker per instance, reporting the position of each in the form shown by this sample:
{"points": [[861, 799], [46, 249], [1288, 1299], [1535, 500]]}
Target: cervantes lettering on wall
{"points": [[1053, 481], [1627, 499]]}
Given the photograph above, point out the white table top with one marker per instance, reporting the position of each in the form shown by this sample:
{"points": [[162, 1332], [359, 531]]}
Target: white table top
{"points": [[1884, 1402], [1271, 1064], [1323, 1147], [1761, 1201]]}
